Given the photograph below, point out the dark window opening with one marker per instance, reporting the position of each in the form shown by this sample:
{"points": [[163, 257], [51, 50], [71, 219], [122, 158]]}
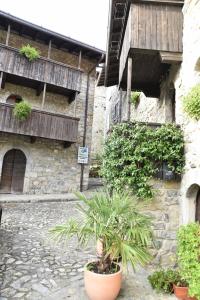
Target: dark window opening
{"points": [[13, 99]]}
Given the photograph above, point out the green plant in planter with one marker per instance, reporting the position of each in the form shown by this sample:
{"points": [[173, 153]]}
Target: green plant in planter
{"points": [[135, 96], [162, 281], [22, 110], [189, 256], [29, 52], [191, 103], [125, 233]]}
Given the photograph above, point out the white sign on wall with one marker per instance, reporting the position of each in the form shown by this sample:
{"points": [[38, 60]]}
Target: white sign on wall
{"points": [[83, 155]]}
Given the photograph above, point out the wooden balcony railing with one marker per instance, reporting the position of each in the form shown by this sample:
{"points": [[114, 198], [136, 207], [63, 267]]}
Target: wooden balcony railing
{"points": [[41, 70], [40, 124]]}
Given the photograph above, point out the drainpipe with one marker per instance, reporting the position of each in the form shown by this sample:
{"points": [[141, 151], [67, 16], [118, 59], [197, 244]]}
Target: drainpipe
{"points": [[86, 116]]}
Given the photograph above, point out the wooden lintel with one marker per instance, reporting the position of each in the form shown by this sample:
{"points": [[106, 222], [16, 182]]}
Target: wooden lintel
{"points": [[67, 144], [170, 57]]}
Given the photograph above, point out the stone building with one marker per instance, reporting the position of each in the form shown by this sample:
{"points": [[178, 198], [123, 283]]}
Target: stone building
{"points": [[39, 155], [153, 47]]}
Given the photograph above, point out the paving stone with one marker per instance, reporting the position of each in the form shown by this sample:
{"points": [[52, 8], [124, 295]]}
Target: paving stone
{"points": [[40, 288], [39, 269], [10, 261]]}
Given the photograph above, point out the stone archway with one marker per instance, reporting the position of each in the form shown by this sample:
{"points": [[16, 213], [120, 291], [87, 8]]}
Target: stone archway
{"points": [[13, 172], [193, 196]]}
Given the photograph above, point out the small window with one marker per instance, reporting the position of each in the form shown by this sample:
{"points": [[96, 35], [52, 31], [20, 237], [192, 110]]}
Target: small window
{"points": [[12, 99]]}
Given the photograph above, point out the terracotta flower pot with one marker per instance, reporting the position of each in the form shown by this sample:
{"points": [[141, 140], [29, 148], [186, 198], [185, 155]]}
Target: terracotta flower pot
{"points": [[102, 286], [182, 293]]}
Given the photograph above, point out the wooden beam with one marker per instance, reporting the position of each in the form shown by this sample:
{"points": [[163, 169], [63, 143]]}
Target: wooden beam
{"points": [[129, 81], [8, 35], [44, 94], [170, 57], [49, 50]]}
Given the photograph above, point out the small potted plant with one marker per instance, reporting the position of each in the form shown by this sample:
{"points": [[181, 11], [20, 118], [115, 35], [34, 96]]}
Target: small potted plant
{"points": [[29, 52], [181, 290], [135, 97], [22, 110], [163, 281], [121, 233]]}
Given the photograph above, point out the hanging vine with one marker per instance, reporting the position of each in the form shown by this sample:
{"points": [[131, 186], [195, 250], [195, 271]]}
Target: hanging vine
{"points": [[132, 152]]}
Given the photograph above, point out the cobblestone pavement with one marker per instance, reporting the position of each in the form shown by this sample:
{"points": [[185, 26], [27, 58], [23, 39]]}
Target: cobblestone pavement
{"points": [[32, 267]]}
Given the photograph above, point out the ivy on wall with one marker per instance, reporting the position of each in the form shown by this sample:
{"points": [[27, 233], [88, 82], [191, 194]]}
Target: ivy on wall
{"points": [[191, 103], [132, 153]]}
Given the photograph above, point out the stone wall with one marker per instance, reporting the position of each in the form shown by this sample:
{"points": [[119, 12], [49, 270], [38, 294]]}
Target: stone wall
{"points": [[190, 76], [98, 122], [50, 167], [164, 209]]}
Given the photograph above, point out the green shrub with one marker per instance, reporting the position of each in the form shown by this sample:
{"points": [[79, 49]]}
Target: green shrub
{"points": [[132, 152], [162, 281], [189, 256], [191, 103], [29, 52], [22, 110], [135, 96]]}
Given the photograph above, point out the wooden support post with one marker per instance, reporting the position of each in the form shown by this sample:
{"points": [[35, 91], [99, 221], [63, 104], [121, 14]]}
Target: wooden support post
{"points": [[44, 94], [129, 81], [8, 35], [1, 79], [49, 49], [120, 105], [80, 59]]}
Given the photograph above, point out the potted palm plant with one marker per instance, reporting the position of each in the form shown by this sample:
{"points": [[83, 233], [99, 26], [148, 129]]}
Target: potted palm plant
{"points": [[121, 234]]}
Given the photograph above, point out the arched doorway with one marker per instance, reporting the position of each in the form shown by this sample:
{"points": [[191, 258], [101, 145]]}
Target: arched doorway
{"points": [[197, 212], [13, 171]]}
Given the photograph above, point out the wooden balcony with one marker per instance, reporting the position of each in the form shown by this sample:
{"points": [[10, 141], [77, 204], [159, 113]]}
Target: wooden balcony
{"points": [[40, 124], [153, 39], [58, 76]]}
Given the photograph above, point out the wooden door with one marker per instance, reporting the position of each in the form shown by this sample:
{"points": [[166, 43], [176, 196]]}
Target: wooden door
{"points": [[13, 171], [197, 215]]}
